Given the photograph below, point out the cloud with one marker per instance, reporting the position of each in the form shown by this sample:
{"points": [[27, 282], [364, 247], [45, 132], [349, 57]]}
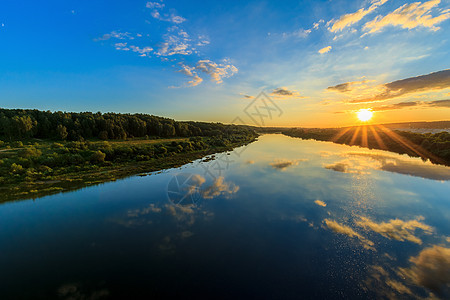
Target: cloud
{"points": [[116, 35], [430, 269], [283, 93], [320, 203], [433, 81], [342, 167], [410, 16], [218, 188], [246, 96], [317, 24], [216, 71], [173, 45], [157, 7], [176, 41], [414, 104], [396, 165], [397, 229], [325, 50], [343, 229], [151, 208], [350, 19], [284, 164], [190, 72], [299, 33], [348, 86]]}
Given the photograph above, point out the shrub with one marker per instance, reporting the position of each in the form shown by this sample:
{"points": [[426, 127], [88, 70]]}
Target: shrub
{"points": [[2, 143], [29, 152], [45, 169], [16, 169], [98, 157], [18, 144], [57, 145]]}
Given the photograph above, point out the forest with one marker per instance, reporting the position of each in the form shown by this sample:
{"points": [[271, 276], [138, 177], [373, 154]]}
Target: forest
{"points": [[19, 124], [47, 152]]}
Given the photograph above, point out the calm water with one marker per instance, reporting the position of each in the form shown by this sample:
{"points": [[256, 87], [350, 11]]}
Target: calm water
{"points": [[281, 218]]}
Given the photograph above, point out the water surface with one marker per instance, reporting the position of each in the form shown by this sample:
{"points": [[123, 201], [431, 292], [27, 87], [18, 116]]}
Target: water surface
{"points": [[279, 218]]}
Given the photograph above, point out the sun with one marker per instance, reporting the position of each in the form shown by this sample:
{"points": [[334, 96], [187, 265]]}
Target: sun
{"points": [[364, 114]]}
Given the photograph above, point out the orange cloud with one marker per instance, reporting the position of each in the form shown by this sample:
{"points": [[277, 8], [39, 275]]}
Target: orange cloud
{"points": [[410, 16]]}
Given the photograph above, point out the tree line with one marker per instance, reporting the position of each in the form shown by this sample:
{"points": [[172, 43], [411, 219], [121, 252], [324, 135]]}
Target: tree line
{"points": [[18, 124]]}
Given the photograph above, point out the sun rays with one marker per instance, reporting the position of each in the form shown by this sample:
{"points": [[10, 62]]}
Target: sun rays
{"points": [[381, 137]]}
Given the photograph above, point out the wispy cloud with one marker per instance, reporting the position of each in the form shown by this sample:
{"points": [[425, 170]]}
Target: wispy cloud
{"points": [[410, 16], [157, 13], [116, 35], [352, 18]]}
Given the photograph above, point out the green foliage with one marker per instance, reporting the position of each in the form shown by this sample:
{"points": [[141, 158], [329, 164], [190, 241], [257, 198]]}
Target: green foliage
{"points": [[61, 131], [17, 144], [16, 169], [2, 143], [57, 146], [19, 124], [98, 157], [30, 152]]}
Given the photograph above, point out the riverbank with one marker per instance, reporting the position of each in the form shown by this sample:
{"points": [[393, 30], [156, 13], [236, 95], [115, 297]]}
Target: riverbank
{"points": [[43, 168]]}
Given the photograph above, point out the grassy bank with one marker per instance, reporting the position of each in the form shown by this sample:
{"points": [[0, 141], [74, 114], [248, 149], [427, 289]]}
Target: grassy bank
{"points": [[35, 168]]}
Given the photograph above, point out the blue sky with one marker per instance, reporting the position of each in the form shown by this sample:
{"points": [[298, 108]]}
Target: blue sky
{"points": [[319, 61]]}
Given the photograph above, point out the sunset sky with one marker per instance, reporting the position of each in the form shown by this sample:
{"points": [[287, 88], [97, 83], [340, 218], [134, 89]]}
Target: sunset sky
{"points": [[318, 61]]}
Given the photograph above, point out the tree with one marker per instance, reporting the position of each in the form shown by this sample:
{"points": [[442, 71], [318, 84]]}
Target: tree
{"points": [[103, 135], [62, 131], [98, 157]]}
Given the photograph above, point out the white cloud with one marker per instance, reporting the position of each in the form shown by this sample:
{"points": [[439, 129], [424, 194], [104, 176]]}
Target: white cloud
{"points": [[216, 71], [155, 5], [325, 50], [115, 34], [145, 51], [410, 16], [156, 13], [175, 43]]}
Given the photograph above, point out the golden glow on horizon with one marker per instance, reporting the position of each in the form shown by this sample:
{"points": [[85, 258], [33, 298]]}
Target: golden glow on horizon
{"points": [[364, 114]]}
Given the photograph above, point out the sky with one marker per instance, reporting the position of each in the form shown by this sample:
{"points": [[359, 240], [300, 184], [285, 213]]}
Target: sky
{"points": [[271, 63]]}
